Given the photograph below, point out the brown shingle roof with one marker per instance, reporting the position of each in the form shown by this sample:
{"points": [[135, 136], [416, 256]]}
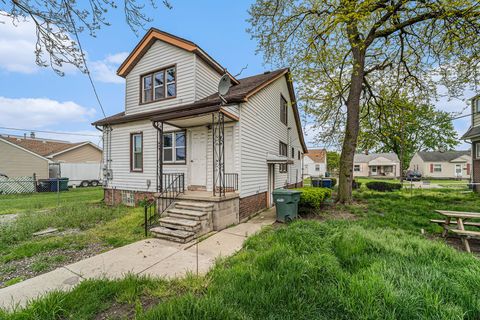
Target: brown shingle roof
{"points": [[40, 146], [317, 155]]}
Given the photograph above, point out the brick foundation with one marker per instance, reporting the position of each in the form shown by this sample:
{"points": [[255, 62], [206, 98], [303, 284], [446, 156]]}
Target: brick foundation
{"points": [[114, 196], [252, 204]]}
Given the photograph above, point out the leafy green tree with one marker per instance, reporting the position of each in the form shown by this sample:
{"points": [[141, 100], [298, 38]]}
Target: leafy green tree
{"points": [[333, 161], [399, 125], [57, 22], [343, 51]]}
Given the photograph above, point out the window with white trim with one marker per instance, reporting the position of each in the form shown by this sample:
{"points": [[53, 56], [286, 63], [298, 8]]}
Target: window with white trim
{"points": [[174, 147], [356, 168], [283, 110], [476, 102], [477, 150], [317, 167], [437, 167]]}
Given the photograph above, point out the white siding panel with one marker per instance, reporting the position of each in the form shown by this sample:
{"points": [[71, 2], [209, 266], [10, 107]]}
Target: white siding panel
{"points": [[120, 155], [206, 79], [158, 56], [261, 131]]}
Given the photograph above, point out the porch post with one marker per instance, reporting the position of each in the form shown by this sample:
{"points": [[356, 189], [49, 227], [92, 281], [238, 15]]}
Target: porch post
{"points": [[159, 127], [218, 139]]}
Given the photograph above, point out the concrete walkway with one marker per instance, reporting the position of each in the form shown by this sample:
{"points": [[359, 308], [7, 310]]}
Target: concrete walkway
{"points": [[153, 257]]}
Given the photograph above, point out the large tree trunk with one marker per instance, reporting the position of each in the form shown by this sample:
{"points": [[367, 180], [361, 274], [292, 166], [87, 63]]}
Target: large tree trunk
{"points": [[351, 129]]}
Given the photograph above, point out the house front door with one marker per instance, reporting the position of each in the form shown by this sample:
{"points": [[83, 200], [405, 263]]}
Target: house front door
{"points": [[198, 157]]}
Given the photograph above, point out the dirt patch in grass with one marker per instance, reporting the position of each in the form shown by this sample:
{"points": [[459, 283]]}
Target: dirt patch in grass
{"points": [[17, 270], [127, 310], [330, 211]]}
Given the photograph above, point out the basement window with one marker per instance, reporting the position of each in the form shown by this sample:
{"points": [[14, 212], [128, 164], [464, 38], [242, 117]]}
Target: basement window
{"points": [[128, 198]]}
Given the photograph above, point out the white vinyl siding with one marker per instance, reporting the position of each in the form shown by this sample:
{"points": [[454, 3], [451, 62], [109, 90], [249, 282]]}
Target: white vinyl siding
{"points": [[206, 79], [122, 177], [161, 55], [261, 130]]}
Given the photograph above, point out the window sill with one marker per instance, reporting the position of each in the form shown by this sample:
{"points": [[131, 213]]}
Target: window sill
{"points": [[158, 100]]}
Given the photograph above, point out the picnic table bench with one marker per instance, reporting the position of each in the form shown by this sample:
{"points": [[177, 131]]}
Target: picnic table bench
{"points": [[460, 224]]}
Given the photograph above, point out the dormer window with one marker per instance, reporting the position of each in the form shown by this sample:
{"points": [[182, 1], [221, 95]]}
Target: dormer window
{"points": [[159, 85]]}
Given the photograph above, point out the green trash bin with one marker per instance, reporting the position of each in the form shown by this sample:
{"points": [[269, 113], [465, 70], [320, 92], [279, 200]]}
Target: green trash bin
{"points": [[286, 203]]}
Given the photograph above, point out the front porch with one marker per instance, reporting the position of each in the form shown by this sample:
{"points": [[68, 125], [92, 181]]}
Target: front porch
{"points": [[197, 176]]}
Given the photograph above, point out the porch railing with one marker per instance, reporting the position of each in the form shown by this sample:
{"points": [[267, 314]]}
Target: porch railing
{"points": [[174, 185], [231, 182]]}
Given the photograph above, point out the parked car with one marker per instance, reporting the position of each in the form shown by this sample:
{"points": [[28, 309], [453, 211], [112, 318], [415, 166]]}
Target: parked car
{"points": [[413, 175]]}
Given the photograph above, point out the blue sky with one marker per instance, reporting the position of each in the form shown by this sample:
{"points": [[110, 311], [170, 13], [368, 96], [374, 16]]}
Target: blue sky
{"points": [[36, 98]]}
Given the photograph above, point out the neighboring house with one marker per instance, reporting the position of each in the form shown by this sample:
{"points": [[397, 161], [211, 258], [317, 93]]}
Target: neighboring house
{"points": [[176, 139], [473, 134], [315, 163], [443, 165], [386, 165], [22, 156]]}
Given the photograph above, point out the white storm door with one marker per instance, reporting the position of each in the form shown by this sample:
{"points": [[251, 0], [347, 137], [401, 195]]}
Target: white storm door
{"points": [[198, 157]]}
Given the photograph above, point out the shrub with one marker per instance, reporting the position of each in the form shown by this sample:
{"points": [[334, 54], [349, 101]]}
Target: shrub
{"points": [[334, 182], [383, 186], [312, 198], [356, 184]]}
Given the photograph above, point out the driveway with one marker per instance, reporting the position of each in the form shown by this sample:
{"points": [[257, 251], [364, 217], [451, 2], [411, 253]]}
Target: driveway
{"points": [[153, 257]]}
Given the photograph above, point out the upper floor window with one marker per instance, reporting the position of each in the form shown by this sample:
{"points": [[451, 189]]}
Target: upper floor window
{"points": [[317, 167], [293, 152], [298, 154], [174, 147], [136, 152], [159, 85], [283, 110], [477, 150], [476, 103]]}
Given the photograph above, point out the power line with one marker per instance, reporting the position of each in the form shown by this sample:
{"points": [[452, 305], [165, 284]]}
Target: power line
{"points": [[52, 132], [84, 60]]}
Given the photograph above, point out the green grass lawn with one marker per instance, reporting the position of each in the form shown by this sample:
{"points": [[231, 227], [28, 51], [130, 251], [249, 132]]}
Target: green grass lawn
{"points": [[15, 203], [85, 227], [376, 265]]}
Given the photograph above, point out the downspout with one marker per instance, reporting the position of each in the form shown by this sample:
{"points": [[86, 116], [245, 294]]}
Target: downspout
{"points": [[103, 146]]}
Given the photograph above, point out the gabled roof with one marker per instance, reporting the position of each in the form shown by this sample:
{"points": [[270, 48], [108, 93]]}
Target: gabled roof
{"points": [[437, 156], [153, 35], [317, 155], [365, 158], [44, 147]]}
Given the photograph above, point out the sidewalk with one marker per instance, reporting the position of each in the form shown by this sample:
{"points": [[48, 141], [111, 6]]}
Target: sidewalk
{"points": [[153, 257]]}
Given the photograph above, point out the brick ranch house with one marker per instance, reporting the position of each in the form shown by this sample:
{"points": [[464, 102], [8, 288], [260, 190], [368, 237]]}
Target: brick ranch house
{"points": [[209, 160]]}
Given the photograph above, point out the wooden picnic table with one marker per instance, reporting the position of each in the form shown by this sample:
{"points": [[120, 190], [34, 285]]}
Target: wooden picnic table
{"points": [[460, 218]]}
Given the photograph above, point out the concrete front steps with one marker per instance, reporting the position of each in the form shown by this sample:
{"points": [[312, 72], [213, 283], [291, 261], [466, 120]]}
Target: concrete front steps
{"points": [[185, 221]]}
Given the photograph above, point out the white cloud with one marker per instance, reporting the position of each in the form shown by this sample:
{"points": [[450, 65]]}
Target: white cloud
{"points": [[17, 46], [105, 70], [36, 113], [17, 54]]}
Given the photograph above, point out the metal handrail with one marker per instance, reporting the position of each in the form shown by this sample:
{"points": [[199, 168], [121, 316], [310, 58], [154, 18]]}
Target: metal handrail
{"points": [[231, 182], [175, 183], [154, 208]]}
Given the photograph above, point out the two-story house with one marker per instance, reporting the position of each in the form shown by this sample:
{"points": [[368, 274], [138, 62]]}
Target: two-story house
{"points": [[210, 162], [473, 134]]}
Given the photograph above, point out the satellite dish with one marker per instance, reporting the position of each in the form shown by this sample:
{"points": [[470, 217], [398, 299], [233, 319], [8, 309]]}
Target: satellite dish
{"points": [[224, 85]]}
